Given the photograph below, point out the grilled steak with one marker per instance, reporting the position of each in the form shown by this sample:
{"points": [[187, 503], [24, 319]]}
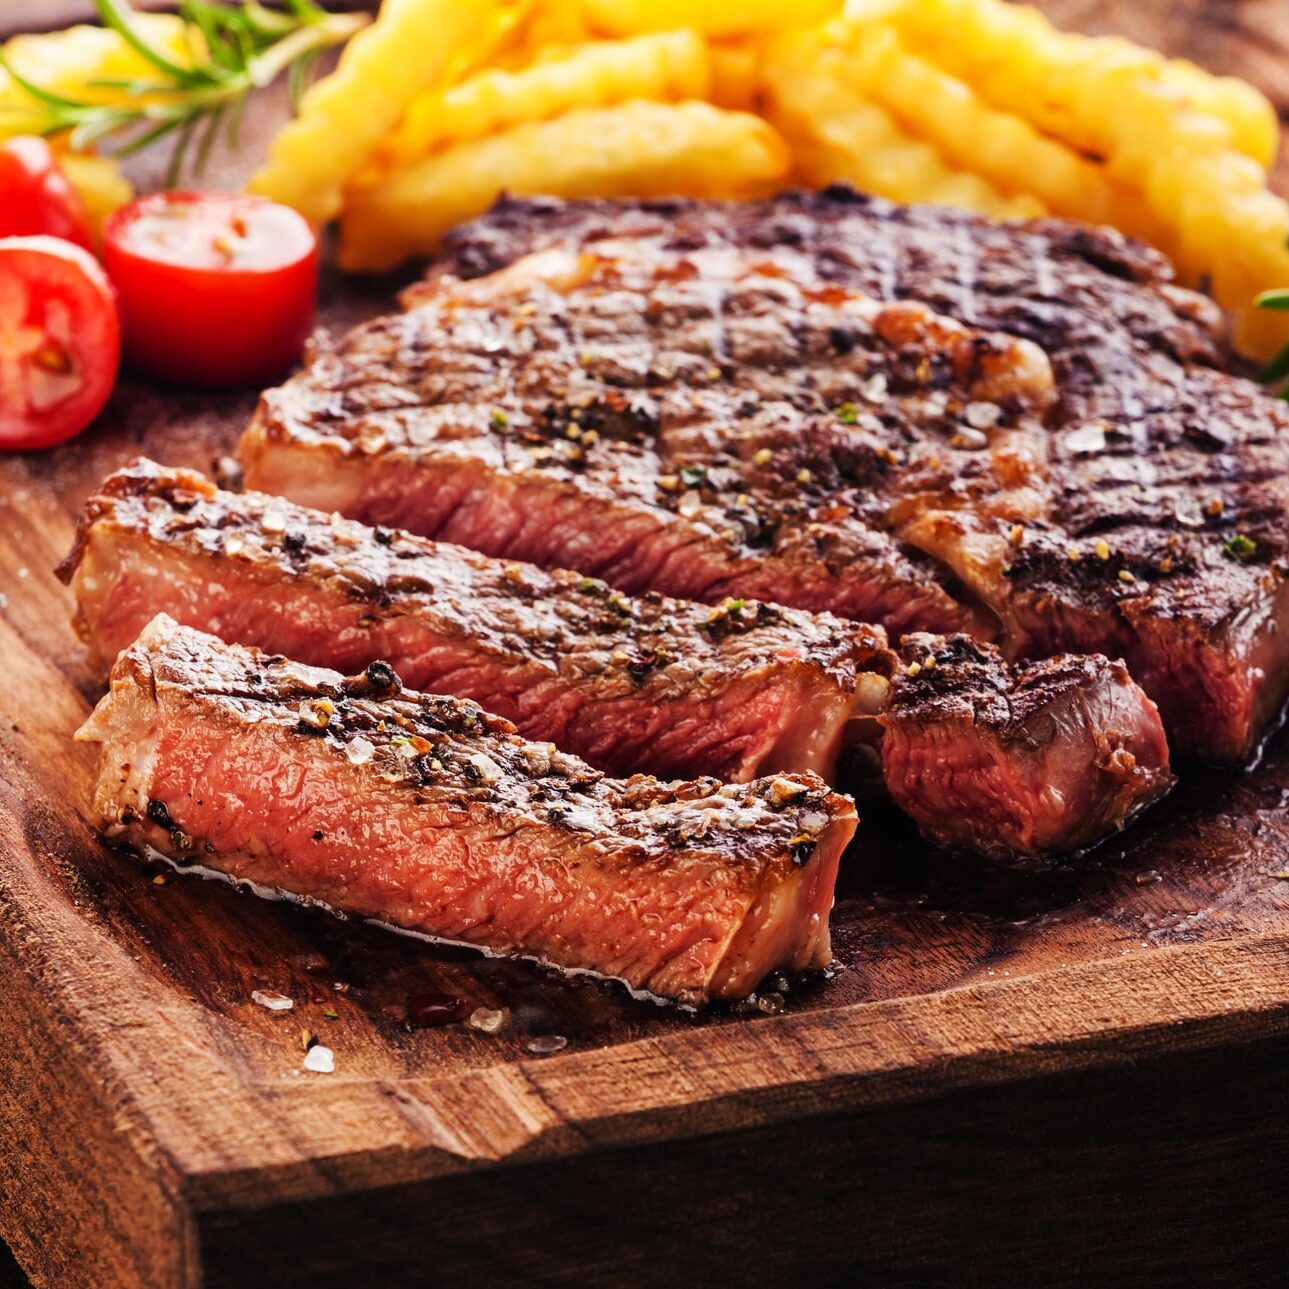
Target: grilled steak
{"points": [[907, 416], [427, 813], [1039, 758], [666, 686]]}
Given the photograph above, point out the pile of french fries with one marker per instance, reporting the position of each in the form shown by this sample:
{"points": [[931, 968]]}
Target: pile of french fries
{"points": [[439, 106]]}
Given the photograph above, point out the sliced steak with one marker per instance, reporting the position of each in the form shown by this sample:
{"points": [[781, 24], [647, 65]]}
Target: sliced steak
{"points": [[1035, 759], [665, 686], [668, 686], [911, 417], [429, 814]]}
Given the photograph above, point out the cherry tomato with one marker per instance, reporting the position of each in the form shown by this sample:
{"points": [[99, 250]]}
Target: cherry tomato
{"points": [[217, 289], [35, 196], [60, 340]]}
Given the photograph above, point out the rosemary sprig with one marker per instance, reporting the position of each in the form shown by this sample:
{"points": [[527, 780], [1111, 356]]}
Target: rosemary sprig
{"points": [[233, 49], [1276, 373]]}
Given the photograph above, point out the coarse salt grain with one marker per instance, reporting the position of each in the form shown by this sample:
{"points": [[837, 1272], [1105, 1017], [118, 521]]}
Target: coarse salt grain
{"points": [[784, 790], [359, 751], [545, 1044], [982, 416], [275, 1002], [489, 770], [1087, 438], [319, 1060], [487, 1020], [875, 388]]}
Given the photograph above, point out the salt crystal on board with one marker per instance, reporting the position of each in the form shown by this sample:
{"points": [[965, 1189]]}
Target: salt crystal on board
{"points": [[320, 1060], [275, 1002]]}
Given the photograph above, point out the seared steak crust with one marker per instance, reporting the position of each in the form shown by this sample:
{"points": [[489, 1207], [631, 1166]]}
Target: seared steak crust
{"points": [[428, 813], [908, 416], [1019, 760]]}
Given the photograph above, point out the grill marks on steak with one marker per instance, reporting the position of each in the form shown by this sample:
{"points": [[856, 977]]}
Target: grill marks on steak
{"points": [[666, 686], [430, 814], [1035, 759], [1104, 503], [705, 425]]}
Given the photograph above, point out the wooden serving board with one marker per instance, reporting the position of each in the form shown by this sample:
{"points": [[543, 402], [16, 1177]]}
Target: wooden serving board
{"points": [[1048, 1073]]}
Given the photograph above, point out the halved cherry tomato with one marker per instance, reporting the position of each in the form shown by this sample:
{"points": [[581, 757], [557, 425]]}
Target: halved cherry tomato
{"points": [[217, 289], [35, 196], [60, 340]]}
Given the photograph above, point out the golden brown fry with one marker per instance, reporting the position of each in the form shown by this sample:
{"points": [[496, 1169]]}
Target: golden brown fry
{"points": [[555, 24], [409, 47], [502, 36], [1081, 89], [736, 73], [667, 66], [711, 17], [637, 149], [1255, 128], [1225, 229], [835, 133], [1002, 148]]}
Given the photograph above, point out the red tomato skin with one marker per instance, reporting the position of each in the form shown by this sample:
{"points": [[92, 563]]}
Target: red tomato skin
{"points": [[42, 270], [36, 197], [223, 327]]}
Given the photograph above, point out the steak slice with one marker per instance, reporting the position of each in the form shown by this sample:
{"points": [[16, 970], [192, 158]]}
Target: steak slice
{"points": [[666, 686], [669, 686], [907, 416], [1035, 759], [429, 814]]}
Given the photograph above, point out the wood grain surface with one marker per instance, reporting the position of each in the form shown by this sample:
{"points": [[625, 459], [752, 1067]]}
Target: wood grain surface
{"points": [[1049, 1074]]}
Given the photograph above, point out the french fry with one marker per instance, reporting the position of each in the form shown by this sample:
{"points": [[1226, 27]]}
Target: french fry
{"points": [[736, 73], [500, 37], [667, 66], [1018, 61], [1255, 128], [838, 134], [1228, 232], [711, 17], [343, 117], [555, 24], [1002, 148], [638, 149]]}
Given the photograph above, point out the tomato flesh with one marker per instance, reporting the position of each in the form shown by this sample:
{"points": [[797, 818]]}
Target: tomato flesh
{"points": [[60, 341], [216, 289], [35, 196]]}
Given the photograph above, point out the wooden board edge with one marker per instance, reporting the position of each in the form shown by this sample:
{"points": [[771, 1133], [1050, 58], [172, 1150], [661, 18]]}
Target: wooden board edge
{"points": [[1182, 999], [85, 1201]]}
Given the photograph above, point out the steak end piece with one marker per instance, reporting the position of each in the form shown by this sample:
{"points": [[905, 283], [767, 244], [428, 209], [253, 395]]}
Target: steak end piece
{"points": [[1034, 759], [427, 813]]}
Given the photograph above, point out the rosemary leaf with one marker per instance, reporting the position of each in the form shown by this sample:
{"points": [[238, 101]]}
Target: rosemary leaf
{"points": [[1275, 375], [1274, 299]]}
